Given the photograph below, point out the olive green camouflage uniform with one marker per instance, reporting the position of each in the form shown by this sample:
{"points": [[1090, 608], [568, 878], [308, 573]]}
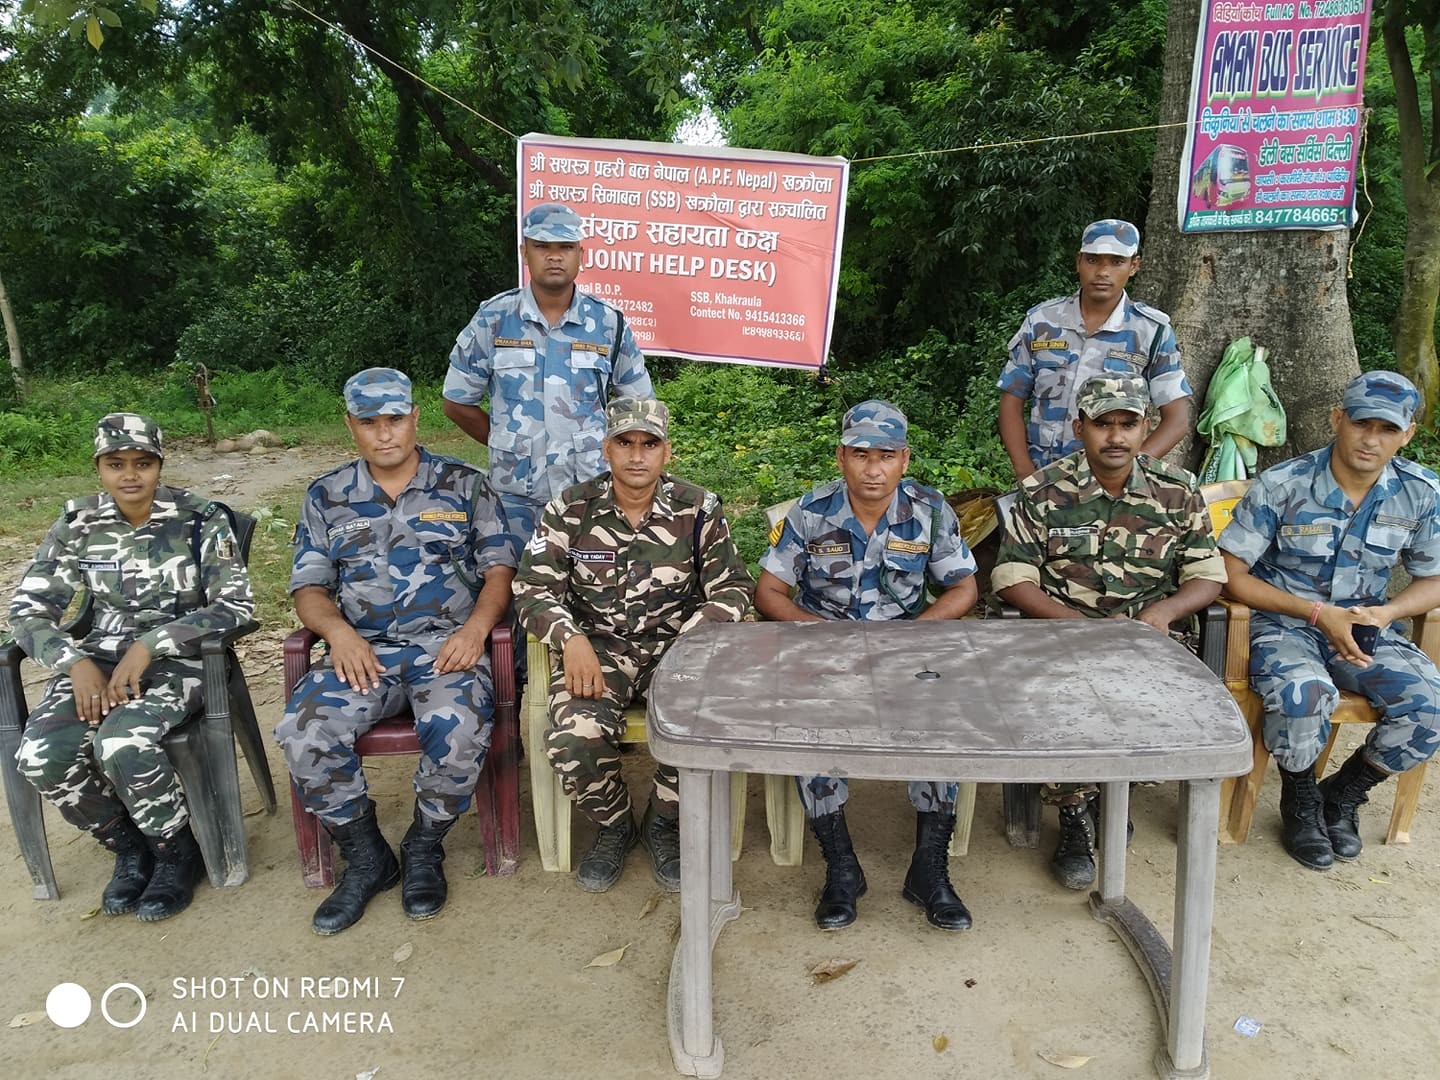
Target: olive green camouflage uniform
{"points": [[1107, 555], [631, 591], [146, 587]]}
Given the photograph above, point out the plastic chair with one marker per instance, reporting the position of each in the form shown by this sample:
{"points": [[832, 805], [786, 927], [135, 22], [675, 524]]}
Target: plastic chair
{"points": [[784, 810], [202, 751], [552, 805], [1239, 795], [497, 794]]}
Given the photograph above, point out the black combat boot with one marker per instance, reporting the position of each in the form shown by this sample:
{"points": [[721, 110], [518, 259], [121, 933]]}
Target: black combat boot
{"points": [[928, 882], [133, 865], [660, 834], [1344, 792], [844, 879], [422, 862], [370, 869], [601, 866], [1073, 864], [178, 866], [1302, 820]]}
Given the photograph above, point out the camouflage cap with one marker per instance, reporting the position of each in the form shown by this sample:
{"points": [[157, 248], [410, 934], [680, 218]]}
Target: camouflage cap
{"points": [[1110, 237], [552, 222], [1381, 395], [378, 391], [1103, 394], [128, 431], [637, 414], [874, 425]]}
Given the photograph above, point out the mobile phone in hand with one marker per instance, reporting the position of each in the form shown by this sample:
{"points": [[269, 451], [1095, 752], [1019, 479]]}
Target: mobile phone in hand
{"points": [[1365, 637]]}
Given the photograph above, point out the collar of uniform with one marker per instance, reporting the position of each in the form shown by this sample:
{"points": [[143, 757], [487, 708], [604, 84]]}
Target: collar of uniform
{"points": [[1074, 320], [530, 310], [887, 519], [1326, 489], [1089, 488], [164, 505], [662, 506], [424, 477]]}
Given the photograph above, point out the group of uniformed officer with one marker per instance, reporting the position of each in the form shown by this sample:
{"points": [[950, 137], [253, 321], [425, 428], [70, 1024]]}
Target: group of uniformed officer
{"points": [[405, 561]]}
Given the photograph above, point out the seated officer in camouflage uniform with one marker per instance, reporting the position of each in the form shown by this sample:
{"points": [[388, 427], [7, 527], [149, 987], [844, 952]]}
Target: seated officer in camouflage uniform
{"points": [[864, 547], [547, 356], [403, 565], [163, 571], [617, 569], [1098, 329], [1107, 532], [1310, 548]]}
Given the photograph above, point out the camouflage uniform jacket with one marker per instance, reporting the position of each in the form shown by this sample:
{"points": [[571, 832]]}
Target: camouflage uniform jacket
{"points": [[547, 387], [144, 580], [587, 570], [1051, 357], [1297, 531], [404, 571], [1104, 555], [843, 573]]}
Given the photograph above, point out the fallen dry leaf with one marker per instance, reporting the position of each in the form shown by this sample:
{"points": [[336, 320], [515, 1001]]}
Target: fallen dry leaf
{"points": [[1066, 1061], [403, 953], [609, 959], [26, 1019], [651, 904], [90, 914], [830, 969], [940, 1042], [969, 984]]}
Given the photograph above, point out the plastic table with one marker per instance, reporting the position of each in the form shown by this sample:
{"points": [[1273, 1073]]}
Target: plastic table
{"points": [[998, 701]]}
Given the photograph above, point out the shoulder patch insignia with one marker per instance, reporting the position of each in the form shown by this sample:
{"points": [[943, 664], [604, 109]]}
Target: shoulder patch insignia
{"points": [[537, 544], [1049, 343], [225, 547], [710, 502], [444, 515], [775, 533]]}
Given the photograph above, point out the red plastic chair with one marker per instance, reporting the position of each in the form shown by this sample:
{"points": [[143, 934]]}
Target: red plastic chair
{"points": [[497, 795]]}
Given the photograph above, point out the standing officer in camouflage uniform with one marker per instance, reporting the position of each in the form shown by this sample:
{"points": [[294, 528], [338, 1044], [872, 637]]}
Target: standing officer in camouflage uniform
{"points": [[403, 565], [617, 569], [1099, 329], [864, 547], [1310, 548], [547, 356], [163, 570], [1106, 532]]}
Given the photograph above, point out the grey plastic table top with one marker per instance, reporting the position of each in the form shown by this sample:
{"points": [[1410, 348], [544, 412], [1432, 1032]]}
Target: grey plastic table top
{"points": [[984, 700]]}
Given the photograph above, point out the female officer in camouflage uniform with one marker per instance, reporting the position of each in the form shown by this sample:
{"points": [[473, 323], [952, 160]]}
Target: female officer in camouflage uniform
{"points": [[164, 571]]}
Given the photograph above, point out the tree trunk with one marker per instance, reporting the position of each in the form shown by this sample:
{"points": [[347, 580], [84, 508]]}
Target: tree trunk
{"points": [[12, 335], [1414, 327], [1283, 289]]}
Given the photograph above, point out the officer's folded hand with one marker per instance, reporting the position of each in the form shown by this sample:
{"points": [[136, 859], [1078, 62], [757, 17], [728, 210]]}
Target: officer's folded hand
{"points": [[92, 695], [462, 650], [125, 679]]}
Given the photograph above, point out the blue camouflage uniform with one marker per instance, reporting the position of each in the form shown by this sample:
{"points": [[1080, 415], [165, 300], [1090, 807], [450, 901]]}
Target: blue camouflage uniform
{"points": [[1052, 356], [843, 573], [547, 385], [1297, 531], [405, 574]]}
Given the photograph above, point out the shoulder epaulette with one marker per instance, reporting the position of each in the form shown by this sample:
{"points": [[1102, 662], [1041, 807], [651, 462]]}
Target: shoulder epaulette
{"points": [[1171, 472], [1154, 314]]}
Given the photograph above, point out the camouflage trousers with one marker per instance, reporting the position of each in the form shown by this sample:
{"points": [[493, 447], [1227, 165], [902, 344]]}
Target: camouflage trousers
{"points": [[453, 720], [1299, 679], [1068, 794], [823, 795], [95, 774], [582, 742]]}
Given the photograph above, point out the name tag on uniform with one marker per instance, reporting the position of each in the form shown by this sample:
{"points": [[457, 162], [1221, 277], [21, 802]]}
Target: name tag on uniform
{"points": [[827, 549], [1082, 530], [1408, 524], [99, 565], [1305, 530], [909, 547], [357, 525], [513, 343], [444, 515], [1049, 343], [1133, 359], [592, 556], [589, 346]]}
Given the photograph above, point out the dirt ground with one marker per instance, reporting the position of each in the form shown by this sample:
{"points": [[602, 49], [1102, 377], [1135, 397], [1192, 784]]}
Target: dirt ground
{"points": [[1340, 970]]}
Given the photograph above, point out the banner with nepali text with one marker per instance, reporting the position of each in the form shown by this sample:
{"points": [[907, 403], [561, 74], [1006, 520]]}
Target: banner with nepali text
{"points": [[1276, 116], [711, 253]]}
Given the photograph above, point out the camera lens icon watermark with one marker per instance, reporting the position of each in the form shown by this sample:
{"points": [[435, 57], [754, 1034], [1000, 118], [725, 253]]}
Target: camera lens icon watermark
{"points": [[68, 1005]]}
